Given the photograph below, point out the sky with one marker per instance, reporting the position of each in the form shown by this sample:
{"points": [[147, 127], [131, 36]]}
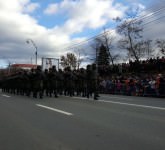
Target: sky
{"points": [[56, 25]]}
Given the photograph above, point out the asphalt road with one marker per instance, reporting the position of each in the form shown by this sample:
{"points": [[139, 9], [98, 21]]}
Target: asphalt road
{"points": [[64, 123]]}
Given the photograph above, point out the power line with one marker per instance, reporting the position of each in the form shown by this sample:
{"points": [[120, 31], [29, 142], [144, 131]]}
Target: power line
{"points": [[113, 30], [153, 21], [149, 27], [150, 14]]}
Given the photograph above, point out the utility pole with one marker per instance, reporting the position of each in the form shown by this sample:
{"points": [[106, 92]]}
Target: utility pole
{"points": [[31, 41]]}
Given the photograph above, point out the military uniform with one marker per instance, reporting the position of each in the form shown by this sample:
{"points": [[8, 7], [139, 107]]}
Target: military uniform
{"points": [[38, 78], [53, 81]]}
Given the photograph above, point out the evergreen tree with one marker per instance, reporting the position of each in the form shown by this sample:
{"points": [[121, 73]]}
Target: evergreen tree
{"points": [[103, 56]]}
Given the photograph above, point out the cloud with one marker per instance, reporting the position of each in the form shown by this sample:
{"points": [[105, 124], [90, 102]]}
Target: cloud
{"points": [[82, 15], [12, 6], [18, 25], [31, 7], [86, 14], [15, 28], [135, 9], [51, 9]]}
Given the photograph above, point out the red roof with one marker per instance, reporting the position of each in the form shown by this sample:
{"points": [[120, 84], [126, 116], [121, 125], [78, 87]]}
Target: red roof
{"points": [[24, 65]]}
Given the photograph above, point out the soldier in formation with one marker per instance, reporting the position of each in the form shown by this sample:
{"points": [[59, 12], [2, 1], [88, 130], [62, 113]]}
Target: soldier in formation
{"points": [[38, 83]]}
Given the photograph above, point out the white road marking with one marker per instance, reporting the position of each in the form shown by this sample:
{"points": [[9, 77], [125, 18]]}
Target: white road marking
{"points": [[91, 98], [57, 110], [118, 97], [136, 105], [75, 97], [128, 104], [6, 95], [84, 98]]}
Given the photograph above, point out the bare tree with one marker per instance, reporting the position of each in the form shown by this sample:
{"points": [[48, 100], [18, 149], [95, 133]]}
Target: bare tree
{"points": [[161, 45], [131, 30], [70, 60], [79, 57], [147, 45]]}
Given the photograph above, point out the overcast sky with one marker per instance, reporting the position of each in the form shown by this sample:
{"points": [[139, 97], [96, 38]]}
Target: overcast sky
{"points": [[54, 25]]}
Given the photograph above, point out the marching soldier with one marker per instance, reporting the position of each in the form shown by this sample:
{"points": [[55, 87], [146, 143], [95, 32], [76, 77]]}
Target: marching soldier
{"points": [[60, 82], [91, 78], [38, 83], [53, 81], [82, 82], [88, 80], [46, 83], [94, 82]]}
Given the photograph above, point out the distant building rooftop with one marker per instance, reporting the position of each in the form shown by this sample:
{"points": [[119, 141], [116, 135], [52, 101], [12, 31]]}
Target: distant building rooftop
{"points": [[24, 66]]}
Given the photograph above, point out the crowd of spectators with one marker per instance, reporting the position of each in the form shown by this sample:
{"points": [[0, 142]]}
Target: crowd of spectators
{"points": [[143, 78], [141, 66]]}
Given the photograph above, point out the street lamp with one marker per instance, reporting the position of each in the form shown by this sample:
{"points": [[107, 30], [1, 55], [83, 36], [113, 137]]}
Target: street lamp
{"points": [[28, 41]]}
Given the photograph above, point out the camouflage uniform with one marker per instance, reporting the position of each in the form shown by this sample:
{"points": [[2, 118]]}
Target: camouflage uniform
{"points": [[37, 80], [91, 79], [94, 82], [53, 81]]}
